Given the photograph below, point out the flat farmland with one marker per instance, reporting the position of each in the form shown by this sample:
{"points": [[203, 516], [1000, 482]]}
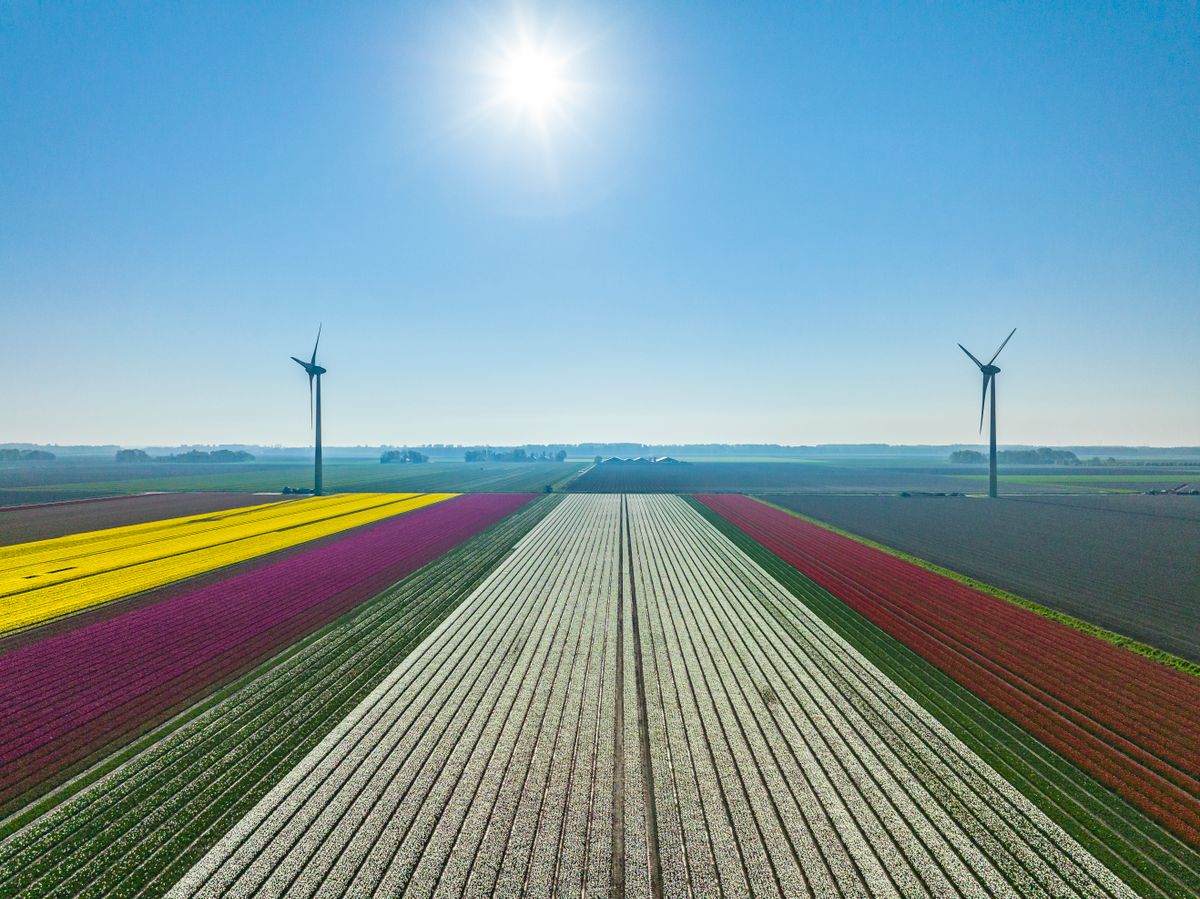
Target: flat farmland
{"points": [[66, 480], [78, 691], [622, 695], [750, 477], [786, 763], [629, 705], [1075, 480], [1128, 721], [863, 476], [134, 827], [1126, 563], [46, 579], [434, 763]]}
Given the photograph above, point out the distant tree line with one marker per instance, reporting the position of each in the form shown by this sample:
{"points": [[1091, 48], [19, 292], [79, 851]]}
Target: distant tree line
{"points": [[486, 454], [221, 455], [408, 456], [967, 457], [19, 455], [1040, 456]]}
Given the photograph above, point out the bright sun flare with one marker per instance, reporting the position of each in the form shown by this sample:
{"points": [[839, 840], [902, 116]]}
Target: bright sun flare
{"points": [[532, 81]]}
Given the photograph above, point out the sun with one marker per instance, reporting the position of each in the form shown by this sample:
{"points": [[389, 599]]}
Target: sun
{"points": [[532, 81], [532, 85]]}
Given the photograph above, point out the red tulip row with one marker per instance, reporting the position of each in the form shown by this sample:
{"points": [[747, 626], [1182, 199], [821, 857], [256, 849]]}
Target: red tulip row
{"points": [[1130, 722], [75, 693]]}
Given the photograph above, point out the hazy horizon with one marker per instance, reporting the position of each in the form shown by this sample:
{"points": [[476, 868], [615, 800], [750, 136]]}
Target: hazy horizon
{"points": [[743, 229], [773, 450]]}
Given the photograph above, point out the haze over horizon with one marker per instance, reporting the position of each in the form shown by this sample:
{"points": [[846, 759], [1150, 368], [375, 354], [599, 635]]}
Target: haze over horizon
{"points": [[719, 227]]}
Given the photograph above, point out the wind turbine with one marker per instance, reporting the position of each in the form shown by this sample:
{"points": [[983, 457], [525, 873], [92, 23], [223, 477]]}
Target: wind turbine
{"points": [[989, 372], [314, 372]]}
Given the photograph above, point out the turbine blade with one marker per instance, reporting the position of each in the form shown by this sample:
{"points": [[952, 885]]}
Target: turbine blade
{"points": [[317, 344], [983, 402], [310, 399], [300, 362], [968, 352], [1006, 340]]}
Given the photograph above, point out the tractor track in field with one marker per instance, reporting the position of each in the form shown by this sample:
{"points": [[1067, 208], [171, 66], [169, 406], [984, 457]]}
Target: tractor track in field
{"points": [[617, 877], [655, 861]]}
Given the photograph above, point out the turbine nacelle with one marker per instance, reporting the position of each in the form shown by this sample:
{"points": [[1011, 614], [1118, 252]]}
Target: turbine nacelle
{"points": [[313, 370], [988, 369]]}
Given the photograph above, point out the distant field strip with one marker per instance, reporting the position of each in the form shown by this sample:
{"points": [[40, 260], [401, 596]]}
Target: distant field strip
{"points": [[43, 580], [748, 751], [1129, 722]]}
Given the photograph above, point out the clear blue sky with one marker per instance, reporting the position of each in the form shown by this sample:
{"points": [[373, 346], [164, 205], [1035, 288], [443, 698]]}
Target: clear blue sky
{"points": [[754, 223]]}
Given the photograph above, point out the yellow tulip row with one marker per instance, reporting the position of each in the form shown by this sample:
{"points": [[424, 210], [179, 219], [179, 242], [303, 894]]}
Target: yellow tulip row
{"points": [[107, 540], [50, 578]]}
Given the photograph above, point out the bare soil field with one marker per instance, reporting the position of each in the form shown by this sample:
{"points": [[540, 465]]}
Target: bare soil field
{"points": [[1127, 563], [44, 522]]}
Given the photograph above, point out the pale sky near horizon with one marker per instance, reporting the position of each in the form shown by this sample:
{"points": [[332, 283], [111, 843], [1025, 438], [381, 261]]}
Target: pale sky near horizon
{"points": [[746, 223]]}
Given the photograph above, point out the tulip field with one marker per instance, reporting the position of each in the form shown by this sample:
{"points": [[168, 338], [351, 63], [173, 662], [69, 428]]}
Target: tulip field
{"points": [[75, 692], [56, 577], [1120, 562], [544, 695], [1130, 722], [143, 817]]}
